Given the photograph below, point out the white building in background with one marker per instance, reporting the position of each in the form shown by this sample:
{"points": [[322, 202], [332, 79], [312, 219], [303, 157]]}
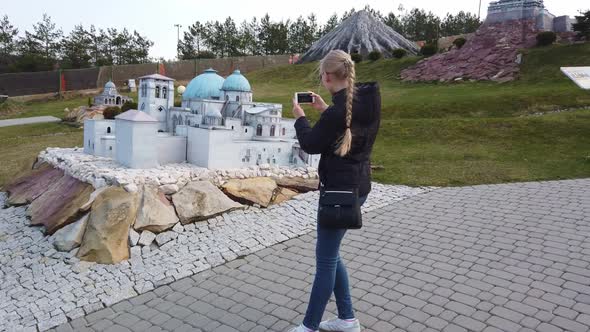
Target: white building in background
{"points": [[217, 126], [110, 96]]}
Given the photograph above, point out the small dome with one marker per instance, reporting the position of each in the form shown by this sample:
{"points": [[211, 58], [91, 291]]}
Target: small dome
{"points": [[110, 85], [205, 86], [181, 89], [236, 82]]}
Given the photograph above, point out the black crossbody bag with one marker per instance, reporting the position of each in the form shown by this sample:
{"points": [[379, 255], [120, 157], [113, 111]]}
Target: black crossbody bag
{"points": [[339, 208]]}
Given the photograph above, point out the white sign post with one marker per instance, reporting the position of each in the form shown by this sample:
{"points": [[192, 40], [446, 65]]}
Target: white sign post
{"points": [[580, 75]]}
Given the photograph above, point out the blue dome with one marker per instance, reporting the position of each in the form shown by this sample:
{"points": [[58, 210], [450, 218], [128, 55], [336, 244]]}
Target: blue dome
{"points": [[110, 85], [236, 82], [205, 86]]}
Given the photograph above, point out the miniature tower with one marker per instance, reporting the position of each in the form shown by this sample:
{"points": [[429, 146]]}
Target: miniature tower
{"points": [[156, 97]]}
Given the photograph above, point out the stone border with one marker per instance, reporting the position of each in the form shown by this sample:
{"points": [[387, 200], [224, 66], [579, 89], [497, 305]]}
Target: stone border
{"points": [[101, 171]]}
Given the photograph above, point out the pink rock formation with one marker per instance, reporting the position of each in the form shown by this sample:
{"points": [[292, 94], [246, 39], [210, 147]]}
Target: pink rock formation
{"points": [[490, 55]]}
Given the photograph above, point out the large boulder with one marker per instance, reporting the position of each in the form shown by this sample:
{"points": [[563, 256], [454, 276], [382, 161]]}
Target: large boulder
{"points": [[155, 213], [70, 236], [199, 200], [283, 195], [259, 191], [299, 185], [60, 204], [33, 184], [106, 238]]}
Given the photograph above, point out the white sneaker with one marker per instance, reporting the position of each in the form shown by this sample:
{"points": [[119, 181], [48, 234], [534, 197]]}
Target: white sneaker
{"points": [[302, 328], [337, 324]]}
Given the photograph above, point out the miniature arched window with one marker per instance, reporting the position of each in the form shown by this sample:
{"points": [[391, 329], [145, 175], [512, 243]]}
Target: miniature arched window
{"points": [[110, 148], [164, 92], [108, 130], [157, 92], [232, 127], [272, 130], [237, 98], [246, 130], [259, 130], [226, 98], [284, 131], [105, 101]]}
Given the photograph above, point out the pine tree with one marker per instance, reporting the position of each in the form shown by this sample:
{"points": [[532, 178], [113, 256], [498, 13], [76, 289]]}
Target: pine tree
{"points": [[332, 23], [8, 34], [77, 48], [582, 25]]}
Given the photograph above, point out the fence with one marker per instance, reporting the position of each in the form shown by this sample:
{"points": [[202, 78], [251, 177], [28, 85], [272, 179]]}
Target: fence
{"points": [[22, 84]]}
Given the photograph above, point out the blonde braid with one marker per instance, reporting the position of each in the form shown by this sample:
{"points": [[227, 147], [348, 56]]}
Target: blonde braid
{"points": [[345, 141]]}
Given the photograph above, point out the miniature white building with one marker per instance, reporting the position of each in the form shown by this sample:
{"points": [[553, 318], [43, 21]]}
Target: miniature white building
{"points": [[110, 96], [217, 126]]}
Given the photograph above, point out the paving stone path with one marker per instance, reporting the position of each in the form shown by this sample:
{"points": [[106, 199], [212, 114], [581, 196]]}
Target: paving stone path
{"points": [[24, 121], [512, 257]]}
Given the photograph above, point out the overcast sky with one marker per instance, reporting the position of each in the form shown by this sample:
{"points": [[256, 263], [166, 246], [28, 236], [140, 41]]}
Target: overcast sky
{"points": [[156, 19]]}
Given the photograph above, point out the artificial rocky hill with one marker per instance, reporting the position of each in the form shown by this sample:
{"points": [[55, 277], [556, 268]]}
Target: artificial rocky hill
{"points": [[491, 54], [361, 33]]}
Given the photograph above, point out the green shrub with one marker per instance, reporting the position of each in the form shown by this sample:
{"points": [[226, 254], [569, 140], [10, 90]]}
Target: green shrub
{"points": [[546, 38], [375, 55], [399, 53], [356, 57], [459, 42], [111, 112], [89, 101], [428, 50], [129, 105]]}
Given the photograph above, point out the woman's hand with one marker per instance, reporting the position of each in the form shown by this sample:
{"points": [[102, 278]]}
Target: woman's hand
{"points": [[297, 110], [318, 103]]}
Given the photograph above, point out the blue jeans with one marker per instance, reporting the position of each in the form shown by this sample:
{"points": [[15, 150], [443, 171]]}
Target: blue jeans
{"points": [[331, 276]]}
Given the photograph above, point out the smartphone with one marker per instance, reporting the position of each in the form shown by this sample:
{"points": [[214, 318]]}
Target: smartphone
{"points": [[304, 97]]}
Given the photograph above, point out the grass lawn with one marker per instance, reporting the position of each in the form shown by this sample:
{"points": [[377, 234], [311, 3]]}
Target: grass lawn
{"points": [[20, 145], [431, 134]]}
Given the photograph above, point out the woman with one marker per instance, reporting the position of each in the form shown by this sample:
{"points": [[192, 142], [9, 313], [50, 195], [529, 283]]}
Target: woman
{"points": [[344, 136]]}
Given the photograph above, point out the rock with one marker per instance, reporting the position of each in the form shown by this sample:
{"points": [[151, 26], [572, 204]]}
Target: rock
{"points": [[91, 199], [135, 252], [165, 237], [169, 189], [33, 184], [200, 200], [60, 204], [251, 191], [494, 47], [133, 237], [146, 238], [178, 228], [284, 195], [131, 188], [70, 237], [155, 214], [300, 185], [107, 233]]}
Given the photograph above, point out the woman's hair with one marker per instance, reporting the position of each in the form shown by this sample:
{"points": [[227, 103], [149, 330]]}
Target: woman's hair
{"points": [[339, 64]]}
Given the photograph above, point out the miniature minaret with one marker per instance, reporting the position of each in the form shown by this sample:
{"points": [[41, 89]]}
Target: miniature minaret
{"points": [[156, 97]]}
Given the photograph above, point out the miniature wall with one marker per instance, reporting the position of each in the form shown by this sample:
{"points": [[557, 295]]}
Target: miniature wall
{"points": [[171, 149], [137, 144]]}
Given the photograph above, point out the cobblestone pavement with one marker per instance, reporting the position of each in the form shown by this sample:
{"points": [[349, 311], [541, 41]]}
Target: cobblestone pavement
{"points": [[510, 257], [42, 288], [23, 121]]}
